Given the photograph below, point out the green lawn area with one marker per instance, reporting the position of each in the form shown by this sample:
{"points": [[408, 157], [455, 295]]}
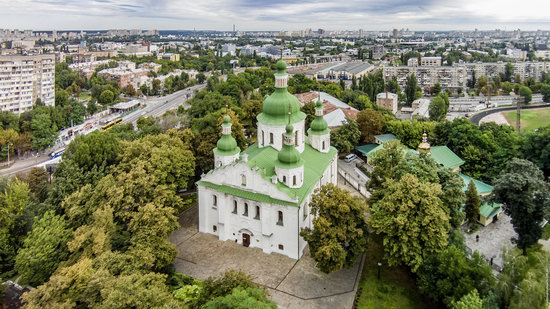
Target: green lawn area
{"points": [[530, 118], [395, 289]]}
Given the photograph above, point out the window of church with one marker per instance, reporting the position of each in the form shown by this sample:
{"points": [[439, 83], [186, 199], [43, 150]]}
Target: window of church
{"points": [[257, 216], [214, 228], [243, 180], [296, 138], [294, 180], [234, 207], [281, 247], [271, 138], [245, 213], [324, 146], [306, 210], [214, 200], [280, 218], [263, 138], [218, 163], [284, 179]]}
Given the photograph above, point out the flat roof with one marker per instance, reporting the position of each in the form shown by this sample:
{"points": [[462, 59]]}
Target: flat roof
{"points": [[126, 105], [353, 67]]}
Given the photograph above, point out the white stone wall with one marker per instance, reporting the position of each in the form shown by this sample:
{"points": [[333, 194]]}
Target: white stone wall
{"points": [[265, 232], [316, 141], [264, 132], [287, 176]]}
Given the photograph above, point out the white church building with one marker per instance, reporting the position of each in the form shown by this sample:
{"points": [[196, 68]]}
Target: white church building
{"points": [[259, 197]]}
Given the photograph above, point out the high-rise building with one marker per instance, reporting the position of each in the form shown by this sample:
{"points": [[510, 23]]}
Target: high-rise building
{"points": [[24, 80]]}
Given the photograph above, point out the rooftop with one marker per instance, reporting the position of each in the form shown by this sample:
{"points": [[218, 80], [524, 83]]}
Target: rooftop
{"points": [[265, 159], [446, 157]]}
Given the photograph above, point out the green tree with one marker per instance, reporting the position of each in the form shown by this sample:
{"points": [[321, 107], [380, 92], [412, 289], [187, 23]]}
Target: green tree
{"points": [[37, 179], [469, 301], [450, 275], [437, 109], [545, 91], [508, 72], [309, 110], [411, 221], [222, 286], [536, 149], [107, 97], [44, 132], [370, 123], [339, 229], [43, 250], [436, 89], [242, 299], [346, 137], [526, 94], [411, 88], [525, 195], [472, 203]]}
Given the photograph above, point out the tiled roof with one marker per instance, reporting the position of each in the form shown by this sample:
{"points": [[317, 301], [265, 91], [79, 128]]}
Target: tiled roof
{"points": [[446, 157]]}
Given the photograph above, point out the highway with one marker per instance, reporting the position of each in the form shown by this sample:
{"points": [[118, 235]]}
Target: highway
{"points": [[157, 106], [154, 106]]}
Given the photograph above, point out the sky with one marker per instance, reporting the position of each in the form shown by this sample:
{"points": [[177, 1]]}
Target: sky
{"points": [[275, 15]]}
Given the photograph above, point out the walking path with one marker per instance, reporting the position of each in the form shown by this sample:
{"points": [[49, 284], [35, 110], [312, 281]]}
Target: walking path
{"points": [[290, 283], [497, 118]]}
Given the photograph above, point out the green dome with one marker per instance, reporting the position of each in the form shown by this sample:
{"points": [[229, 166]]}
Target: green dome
{"points": [[277, 104], [280, 66], [289, 129], [318, 124], [226, 119], [319, 104], [289, 155], [226, 143]]}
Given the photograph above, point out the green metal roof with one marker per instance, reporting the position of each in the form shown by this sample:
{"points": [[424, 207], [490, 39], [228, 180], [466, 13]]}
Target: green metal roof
{"points": [[489, 210], [384, 138], [481, 187], [446, 157], [366, 149], [265, 159]]}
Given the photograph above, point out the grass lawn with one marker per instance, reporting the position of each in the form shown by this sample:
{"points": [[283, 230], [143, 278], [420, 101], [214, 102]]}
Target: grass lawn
{"points": [[395, 289], [530, 118]]}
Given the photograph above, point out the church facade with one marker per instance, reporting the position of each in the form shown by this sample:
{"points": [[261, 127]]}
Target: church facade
{"points": [[260, 197]]}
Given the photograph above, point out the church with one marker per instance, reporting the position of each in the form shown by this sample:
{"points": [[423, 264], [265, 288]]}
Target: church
{"points": [[259, 197]]}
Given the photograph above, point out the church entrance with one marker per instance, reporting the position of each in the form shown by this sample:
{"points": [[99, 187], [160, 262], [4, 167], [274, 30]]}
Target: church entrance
{"points": [[246, 240]]}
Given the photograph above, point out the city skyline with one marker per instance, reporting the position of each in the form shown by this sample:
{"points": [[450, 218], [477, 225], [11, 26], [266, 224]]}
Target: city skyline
{"points": [[274, 15]]}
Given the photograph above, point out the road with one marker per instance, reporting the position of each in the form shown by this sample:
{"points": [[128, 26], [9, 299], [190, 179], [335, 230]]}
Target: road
{"points": [[157, 106], [154, 106], [476, 118]]}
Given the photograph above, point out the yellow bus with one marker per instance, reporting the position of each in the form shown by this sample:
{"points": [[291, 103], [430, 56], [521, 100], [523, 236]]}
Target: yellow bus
{"points": [[112, 123]]}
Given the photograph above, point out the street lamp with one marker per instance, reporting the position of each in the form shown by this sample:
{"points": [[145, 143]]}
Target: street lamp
{"points": [[9, 144], [379, 267]]}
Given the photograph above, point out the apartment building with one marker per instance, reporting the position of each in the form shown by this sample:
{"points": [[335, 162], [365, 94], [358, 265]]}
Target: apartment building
{"points": [[449, 77], [493, 69], [24, 79], [430, 61]]}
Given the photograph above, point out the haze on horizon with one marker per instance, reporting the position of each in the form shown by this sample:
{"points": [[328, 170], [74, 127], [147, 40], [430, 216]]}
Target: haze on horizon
{"points": [[275, 15]]}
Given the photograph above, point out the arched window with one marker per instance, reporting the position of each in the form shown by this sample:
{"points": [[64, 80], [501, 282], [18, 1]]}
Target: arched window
{"points": [[324, 146], [245, 213], [263, 138], [234, 207], [296, 138], [271, 138], [243, 180], [214, 200], [218, 163], [306, 210], [284, 179], [280, 218], [257, 216], [294, 180]]}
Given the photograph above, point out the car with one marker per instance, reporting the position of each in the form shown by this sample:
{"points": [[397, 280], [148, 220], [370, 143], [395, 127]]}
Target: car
{"points": [[350, 157]]}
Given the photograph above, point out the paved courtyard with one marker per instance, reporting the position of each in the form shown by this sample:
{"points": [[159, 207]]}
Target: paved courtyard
{"points": [[492, 239], [292, 284]]}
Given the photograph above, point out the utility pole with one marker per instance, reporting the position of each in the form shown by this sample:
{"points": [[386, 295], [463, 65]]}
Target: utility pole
{"points": [[518, 115]]}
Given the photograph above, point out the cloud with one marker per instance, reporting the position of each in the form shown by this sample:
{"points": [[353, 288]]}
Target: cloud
{"points": [[272, 14]]}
